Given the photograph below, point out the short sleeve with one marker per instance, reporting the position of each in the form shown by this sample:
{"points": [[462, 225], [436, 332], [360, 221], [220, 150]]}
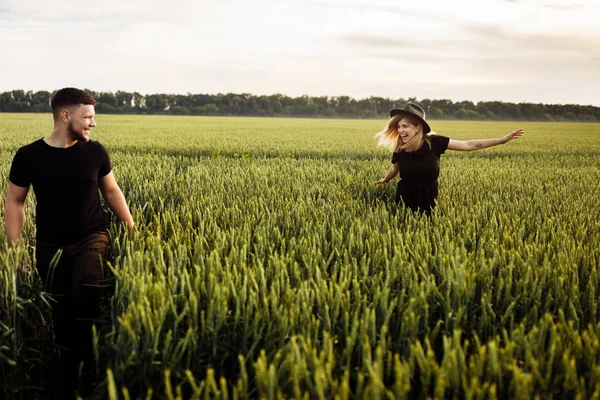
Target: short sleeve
{"points": [[105, 166], [439, 144], [395, 157], [20, 171]]}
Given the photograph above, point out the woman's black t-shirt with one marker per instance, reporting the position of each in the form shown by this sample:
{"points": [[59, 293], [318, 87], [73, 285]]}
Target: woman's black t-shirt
{"points": [[422, 165], [65, 182]]}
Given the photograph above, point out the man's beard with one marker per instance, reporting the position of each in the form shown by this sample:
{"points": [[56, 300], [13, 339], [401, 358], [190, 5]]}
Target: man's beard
{"points": [[73, 135]]}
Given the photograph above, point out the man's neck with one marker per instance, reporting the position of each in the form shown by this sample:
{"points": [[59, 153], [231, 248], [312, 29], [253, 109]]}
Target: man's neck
{"points": [[59, 139]]}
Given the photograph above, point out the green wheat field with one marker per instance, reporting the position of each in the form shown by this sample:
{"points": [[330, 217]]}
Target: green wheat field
{"points": [[266, 264]]}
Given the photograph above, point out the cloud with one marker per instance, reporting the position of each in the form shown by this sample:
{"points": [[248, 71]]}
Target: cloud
{"points": [[483, 61], [320, 47], [480, 42], [566, 7], [429, 15], [369, 41]]}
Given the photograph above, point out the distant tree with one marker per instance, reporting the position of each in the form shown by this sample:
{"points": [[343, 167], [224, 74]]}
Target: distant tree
{"points": [[104, 108], [473, 115], [21, 106], [6, 102], [436, 113], [178, 110], [547, 118], [302, 106], [18, 96], [124, 100], [107, 98], [461, 114], [157, 103], [588, 118], [138, 101], [211, 109], [41, 98], [465, 105]]}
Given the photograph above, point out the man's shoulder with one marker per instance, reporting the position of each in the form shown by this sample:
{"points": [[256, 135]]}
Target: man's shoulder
{"points": [[33, 145], [93, 144], [31, 148]]}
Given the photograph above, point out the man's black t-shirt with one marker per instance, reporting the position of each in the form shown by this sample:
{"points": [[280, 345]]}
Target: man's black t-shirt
{"points": [[65, 182]]}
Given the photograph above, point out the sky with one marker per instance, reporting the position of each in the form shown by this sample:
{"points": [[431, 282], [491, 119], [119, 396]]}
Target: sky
{"points": [[534, 51]]}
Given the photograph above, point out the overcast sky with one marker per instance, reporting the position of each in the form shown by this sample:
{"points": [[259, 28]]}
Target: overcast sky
{"points": [[541, 51]]}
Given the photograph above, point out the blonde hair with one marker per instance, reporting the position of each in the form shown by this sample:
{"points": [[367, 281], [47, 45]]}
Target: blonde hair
{"points": [[389, 136]]}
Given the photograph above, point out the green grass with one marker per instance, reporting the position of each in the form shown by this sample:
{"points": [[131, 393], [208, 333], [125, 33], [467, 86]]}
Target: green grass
{"points": [[267, 264]]}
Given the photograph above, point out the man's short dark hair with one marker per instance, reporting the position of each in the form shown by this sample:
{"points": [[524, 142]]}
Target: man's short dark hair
{"points": [[70, 97]]}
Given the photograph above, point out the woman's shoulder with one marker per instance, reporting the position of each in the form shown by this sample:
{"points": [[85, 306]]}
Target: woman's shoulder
{"points": [[439, 143], [438, 138]]}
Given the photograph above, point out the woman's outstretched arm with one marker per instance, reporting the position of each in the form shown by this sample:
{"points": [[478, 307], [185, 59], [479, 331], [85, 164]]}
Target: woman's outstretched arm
{"points": [[394, 169], [470, 145]]}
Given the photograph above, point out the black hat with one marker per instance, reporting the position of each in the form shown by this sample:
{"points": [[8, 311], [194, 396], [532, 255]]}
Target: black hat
{"points": [[413, 109]]}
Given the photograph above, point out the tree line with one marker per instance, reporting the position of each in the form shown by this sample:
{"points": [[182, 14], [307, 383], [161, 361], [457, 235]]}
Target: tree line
{"points": [[279, 105]]}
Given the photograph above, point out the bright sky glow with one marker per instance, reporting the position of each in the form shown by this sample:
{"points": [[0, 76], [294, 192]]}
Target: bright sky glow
{"points": [[540, 51]]}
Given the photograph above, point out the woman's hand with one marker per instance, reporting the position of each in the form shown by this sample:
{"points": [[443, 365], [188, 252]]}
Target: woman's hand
{"points": [[394, 169], [513, 135]]}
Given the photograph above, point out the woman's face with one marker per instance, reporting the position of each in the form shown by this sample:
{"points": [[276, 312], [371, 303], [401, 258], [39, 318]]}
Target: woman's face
{"points": [[406, 130]]}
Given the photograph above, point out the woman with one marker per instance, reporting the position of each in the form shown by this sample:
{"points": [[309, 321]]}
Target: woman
{"points": [[417, 155]]}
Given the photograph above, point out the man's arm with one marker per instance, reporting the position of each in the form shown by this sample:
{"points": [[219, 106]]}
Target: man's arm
{"points": [[115, 199], [14, 212]]}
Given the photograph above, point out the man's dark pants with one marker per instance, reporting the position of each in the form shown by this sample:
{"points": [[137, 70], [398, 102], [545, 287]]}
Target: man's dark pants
{"points": [[74, 278]]}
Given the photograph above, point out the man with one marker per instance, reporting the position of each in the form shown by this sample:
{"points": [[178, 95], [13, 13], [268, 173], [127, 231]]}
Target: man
{"points": [[66, 169]]}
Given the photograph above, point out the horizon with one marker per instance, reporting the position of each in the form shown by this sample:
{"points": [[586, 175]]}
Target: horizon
{"points": [[328, 96]]}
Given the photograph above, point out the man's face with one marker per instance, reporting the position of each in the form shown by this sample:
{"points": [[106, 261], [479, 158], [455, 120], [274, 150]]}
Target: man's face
{"points": [[81, 122]]}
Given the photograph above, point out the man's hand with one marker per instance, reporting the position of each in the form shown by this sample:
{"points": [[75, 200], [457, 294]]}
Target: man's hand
{"points": [[14, 212], [115, 199]]}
